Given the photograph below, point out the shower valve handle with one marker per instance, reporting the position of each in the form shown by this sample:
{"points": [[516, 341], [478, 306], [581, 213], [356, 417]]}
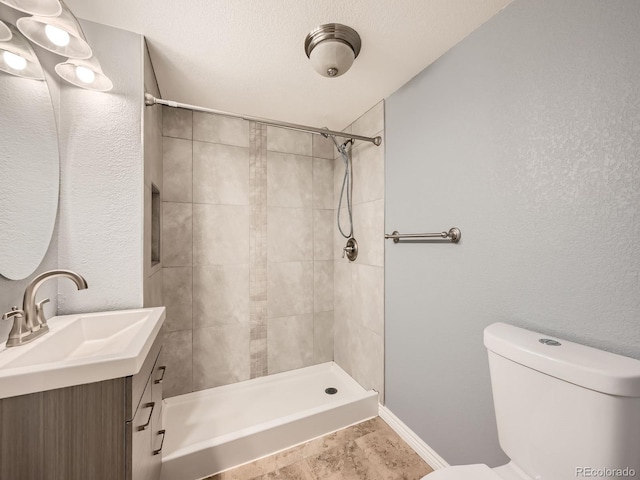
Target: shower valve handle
{"points": [[350, 250]]}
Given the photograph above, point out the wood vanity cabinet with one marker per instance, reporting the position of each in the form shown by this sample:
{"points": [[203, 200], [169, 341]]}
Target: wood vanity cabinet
{"points": [[107, 430]]}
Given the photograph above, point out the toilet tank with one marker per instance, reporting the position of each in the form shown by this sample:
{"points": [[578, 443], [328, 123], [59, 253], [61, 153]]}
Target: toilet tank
{"points": [[564, 410]]}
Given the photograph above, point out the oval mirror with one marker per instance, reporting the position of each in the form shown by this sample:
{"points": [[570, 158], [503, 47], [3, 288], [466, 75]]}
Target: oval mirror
{"points": [[29, 160]]}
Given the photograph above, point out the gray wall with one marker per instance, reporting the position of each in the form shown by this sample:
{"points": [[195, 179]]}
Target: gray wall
{"points": [[526, 136], [102, 185]]}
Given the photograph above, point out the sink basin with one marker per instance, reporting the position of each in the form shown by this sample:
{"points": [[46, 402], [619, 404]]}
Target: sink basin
{"points": [[80, 349]]}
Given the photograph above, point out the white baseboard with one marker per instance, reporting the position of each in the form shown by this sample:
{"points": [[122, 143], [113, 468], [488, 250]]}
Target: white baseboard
{"points": [[421, 448]]}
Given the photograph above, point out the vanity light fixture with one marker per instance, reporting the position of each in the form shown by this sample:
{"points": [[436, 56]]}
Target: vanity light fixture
{"points": [[332, 48], [5, 33], [61, 34], [17, 58], [85, 74], [14, 61], [58, 36], [44, 8]]}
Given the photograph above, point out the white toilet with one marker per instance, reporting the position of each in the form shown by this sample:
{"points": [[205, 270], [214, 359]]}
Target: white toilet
{"points": [[564, 411]]}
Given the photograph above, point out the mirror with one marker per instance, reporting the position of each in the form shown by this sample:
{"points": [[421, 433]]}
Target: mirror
{"points": [[29, 166]]}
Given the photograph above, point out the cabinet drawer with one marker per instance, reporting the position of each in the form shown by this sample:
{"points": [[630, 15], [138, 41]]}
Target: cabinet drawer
{"points": [[135, 385]]}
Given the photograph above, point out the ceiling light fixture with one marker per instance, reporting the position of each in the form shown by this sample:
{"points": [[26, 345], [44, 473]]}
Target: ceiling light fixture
{"points": [[45, 8], [332, 48], [61, 34], [17, 58], [5, 33], [85, 74]]}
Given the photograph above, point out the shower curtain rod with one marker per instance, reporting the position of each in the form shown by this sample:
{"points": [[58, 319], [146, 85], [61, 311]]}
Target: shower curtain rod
{"points": [[150, 100]]}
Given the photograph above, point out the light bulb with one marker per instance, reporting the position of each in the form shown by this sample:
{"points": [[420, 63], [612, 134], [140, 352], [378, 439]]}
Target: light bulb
{"points": [[58, 36], [14, 61], [85, 75]]}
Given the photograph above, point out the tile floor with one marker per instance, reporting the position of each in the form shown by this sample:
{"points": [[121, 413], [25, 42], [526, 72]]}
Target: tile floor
{"points": [[370, 450]]}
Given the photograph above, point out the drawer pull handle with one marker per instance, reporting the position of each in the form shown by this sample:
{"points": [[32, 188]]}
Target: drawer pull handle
{"points": [[164, 370], [150, 405], [160, 432]]}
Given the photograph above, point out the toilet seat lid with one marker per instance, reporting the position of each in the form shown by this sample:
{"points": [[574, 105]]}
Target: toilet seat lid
{"points": [[464, 472]]}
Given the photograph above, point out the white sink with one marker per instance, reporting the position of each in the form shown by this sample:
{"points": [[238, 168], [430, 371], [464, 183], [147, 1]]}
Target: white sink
{"points": [[80, 349]]}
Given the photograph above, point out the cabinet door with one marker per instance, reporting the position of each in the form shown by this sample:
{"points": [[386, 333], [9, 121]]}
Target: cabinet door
{"points": [[157, 438], [140, 431]]}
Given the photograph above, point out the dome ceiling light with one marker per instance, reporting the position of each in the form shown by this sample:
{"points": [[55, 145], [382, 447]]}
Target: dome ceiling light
{"points": [[332, 48]]}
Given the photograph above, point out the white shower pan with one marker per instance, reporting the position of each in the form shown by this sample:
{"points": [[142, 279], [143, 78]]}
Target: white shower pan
{"points": [[217, 429]]}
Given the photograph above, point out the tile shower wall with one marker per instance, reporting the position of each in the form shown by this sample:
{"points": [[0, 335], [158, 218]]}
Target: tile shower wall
{"points": [[359, 285], [247, 250]]}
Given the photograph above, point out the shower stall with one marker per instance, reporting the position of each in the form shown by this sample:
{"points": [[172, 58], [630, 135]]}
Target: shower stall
{"points": [[260, 301]]}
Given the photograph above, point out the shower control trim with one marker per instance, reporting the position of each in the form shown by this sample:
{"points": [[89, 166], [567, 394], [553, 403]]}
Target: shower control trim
{"points": [[350, 250]]}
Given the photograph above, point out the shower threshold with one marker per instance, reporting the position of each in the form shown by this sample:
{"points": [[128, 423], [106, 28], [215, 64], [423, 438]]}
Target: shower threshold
{"points": [[221, 428]]}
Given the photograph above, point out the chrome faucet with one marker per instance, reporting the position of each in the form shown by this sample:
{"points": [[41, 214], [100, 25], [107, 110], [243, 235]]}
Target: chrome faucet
{"points": [[30, 322]]}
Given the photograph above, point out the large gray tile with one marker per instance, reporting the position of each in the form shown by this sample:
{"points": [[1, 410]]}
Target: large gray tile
{"points": [[219, 129], [338, 179], [176, 355], [220, 234], [346, 344], [177, 291], [290, 234], [368, 173], [289, 180], [323, 286], [220, 174], [339, 241], [323, 337], [177, 169], [342, 289], [367, 359], [343, 324], [371, 122], [177, 234], [220, 295], [368, 297], [177, 122], [323, 226], [323, 147], [220, 355], [368, 225], [323, 183], [290, 288], [155, 289], [290, 343], [289, 141]]}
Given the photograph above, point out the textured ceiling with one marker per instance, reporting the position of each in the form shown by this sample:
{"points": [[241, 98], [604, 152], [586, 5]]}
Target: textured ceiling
{"points": [[247, 56]]}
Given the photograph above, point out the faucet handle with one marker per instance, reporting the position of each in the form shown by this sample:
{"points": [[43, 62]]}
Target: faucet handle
{"points": [[13, 313], [40, 311]]}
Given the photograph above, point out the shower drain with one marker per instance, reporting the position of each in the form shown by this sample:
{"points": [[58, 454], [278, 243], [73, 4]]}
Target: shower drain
{"points": [[331, 391]]}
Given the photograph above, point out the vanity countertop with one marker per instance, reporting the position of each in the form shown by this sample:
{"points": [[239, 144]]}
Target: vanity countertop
{"points": [[81, 348]]}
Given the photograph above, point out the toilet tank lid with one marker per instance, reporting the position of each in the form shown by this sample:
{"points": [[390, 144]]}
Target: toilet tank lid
{"points": [[578, 364]]}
